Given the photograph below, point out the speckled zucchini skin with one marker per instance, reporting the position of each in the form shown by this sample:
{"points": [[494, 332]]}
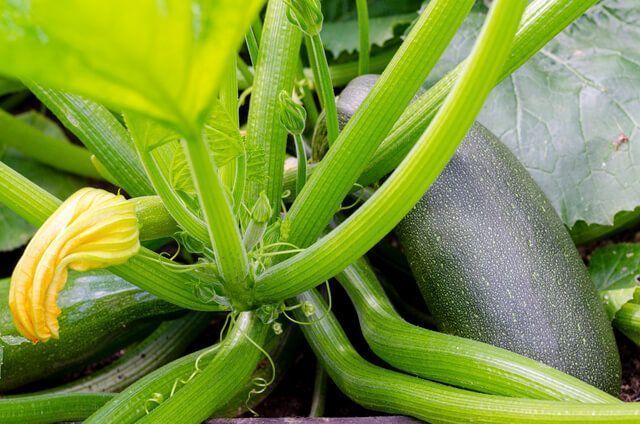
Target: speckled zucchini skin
{"points": [[101, 313], [495, 263]]}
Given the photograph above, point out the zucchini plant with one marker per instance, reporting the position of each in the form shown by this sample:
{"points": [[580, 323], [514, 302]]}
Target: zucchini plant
{"points": [[155, 94]]}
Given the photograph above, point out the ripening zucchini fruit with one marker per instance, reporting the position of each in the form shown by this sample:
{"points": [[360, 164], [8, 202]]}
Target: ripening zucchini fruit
{"points": [[495, 263], [101, 314]]}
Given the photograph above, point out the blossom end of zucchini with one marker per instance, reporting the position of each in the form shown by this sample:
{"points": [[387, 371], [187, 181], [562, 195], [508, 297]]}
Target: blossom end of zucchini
{"points": [[91, 229]]}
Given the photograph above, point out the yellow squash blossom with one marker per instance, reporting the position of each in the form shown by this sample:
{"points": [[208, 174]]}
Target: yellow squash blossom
{"points": [[91, 229]]}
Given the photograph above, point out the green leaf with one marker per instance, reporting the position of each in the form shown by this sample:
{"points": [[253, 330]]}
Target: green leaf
{"points": [[564, 111], [341, 10], [162, 58], [15, 231], [387, 21], [342, 36], [615, 271]]}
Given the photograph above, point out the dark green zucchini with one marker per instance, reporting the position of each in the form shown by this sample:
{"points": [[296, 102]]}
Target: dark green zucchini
{"points": [[495, 263], [101, 313]]}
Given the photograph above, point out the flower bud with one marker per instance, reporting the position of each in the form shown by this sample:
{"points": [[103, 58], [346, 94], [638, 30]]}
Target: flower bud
{"points": [[91, 229], [260, 215], [306, 15], [261, 211], [292, 115]]}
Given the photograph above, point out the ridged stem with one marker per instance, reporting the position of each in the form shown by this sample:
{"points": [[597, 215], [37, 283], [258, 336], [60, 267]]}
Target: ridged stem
{"points": [[103, 135], [229, 100], [396, 393], [395, 198], [35, 205], [323, 84], [363, 31], [222, 224], [216, 384], [56, 153], [452, 360], [51, 408], [275, 71], [340, 168], [543, 20], [307, 97]]}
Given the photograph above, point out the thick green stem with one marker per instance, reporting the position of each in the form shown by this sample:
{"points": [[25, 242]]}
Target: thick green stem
{"points": [[363, 30], [543, 20], [210, 390], [185, 218], [246, 74], [335, 175], [35, 205], [103, 135], [452, 360], [324, 86], [229, 100], [301, 178], [413, 177], [226, 240], [396, 393], [307, 97], [50, 408], [341, 73], [51, 151], [319, 398], [165, 344], [275, 71]]}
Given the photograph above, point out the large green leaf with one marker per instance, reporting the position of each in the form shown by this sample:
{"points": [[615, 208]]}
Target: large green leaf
{"points": [[387, 21], [615, 271], [564, 111], [342, 10], [162, 58], [342, 36]]}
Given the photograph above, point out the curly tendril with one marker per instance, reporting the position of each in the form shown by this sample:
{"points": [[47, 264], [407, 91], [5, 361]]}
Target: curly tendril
{"points": [[91, 229]]}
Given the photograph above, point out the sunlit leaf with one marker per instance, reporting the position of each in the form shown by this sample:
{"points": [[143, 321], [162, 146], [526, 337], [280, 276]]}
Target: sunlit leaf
{"points": [[162, 58]]}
